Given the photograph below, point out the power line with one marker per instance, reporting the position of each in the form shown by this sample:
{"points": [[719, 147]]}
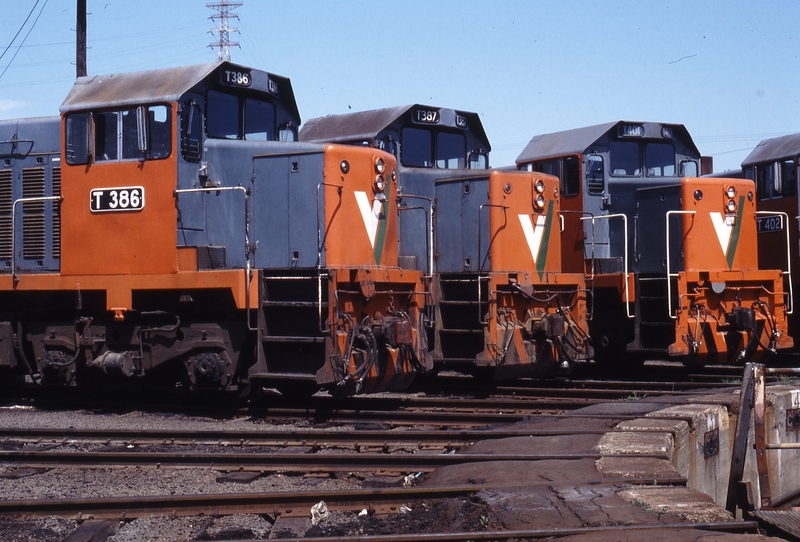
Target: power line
{"points": [[26, 36], [20, 29]]}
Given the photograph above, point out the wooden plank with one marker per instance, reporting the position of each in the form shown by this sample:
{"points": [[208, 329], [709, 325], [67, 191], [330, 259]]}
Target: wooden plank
{"points": [[759, 412], [746, 399]]}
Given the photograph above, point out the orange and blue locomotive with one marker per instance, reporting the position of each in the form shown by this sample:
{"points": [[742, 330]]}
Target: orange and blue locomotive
{"points": [[670, 258], [488, 239], [169, 226]]}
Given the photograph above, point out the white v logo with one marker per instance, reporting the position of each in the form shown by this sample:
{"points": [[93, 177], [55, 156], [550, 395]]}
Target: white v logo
{"points": [[371, 215], [533, 234], [724, 229]]}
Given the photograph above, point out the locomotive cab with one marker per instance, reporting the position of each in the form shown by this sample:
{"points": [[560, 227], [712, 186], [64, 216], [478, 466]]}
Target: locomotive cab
{"points": [[495, 294], [430, 144], [620, 182], [193, 240]]}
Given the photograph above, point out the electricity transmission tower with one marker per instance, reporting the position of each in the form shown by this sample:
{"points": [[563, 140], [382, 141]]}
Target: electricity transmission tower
{"points": [[223, 46]]}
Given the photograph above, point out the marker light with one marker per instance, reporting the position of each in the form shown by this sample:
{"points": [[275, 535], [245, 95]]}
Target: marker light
{"points": [[344, 166], [394, 174], [731, 206], [539, 186], [698, 195], [379, 165], [539, 202], [730, 192]]}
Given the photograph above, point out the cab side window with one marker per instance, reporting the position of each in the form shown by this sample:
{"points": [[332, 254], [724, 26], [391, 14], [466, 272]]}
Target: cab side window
{"points": [[191, 131], [142, 133]]}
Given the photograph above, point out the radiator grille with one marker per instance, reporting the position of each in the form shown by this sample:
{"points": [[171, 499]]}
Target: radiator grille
{"points": [[6, 181], [33, 230], [56, 213]]}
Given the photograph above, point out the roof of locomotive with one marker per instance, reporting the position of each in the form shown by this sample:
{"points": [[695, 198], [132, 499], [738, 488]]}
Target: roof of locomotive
{"points": [[576, 141], [773, 149], [163, 85], [366, 125]]}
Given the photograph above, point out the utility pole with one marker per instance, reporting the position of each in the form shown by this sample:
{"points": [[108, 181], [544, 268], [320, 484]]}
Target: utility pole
{"points": [[224, 44], [80, 40]]}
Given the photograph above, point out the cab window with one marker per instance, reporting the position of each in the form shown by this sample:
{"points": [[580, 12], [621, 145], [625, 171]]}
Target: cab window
{"points": [[191, 131], [416, 147], [625, 159], [259, 119], [77, 137], [659, 160], [450, 150], [776, 180], [222, 117], [595, 178], [478, 160], [117, 138], [571, 180]]}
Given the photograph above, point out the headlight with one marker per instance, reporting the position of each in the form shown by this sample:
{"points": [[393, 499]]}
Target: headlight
{"points": [[379, 184], [539, 186], [730, 206], [379, 166], [539, 202], [731, 192]]}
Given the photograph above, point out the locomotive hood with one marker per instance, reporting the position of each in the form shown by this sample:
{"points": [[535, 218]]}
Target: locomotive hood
{"points": [[578, 140], [367, 125], [167, 85]]}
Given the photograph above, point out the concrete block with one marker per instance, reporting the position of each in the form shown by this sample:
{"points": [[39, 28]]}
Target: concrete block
{"points": [[709, 446], [782, 405], [679, 429]]}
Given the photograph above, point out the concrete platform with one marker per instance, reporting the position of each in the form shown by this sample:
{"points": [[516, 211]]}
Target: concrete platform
{"points": [[686, 437]]}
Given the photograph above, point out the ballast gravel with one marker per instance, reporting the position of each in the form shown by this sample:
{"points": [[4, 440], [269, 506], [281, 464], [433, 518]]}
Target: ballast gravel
{"points": [[133, 481]]}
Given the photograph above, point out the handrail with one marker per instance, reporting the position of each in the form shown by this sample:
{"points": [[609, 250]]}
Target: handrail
{"points": [[624, 256], [788, 271], [247, 249], [670, 275]]}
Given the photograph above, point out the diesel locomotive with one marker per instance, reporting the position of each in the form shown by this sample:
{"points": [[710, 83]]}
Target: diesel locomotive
{"points": [[503, 306], [169, 227], [773, 167], [670, 258]]}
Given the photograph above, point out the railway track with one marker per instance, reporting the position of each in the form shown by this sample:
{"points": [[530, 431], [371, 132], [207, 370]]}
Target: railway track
{"points": [[386, 437]]}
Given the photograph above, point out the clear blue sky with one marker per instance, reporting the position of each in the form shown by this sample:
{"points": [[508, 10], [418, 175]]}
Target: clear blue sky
{"points": [[729, 70]]}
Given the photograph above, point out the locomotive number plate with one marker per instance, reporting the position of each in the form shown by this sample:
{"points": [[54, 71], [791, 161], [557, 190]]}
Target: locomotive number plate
{"points": [[127, 198], [426, 116], [769, 223], [237, 78]]}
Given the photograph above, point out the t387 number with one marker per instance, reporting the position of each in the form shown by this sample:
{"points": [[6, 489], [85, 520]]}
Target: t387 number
{"points": [[128, 198]]}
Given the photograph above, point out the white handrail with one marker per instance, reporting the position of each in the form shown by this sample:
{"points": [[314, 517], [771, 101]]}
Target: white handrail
{"points": [[624, 257], [669, 275], [788, 271]]}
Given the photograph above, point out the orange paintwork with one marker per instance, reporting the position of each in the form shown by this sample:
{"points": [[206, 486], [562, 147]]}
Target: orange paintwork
{"points": [[713, 239], [522, 235], [126, 242], [721, 275], [532, 304], [348, 223], [374, 294], [699, 307], [119, 288]]}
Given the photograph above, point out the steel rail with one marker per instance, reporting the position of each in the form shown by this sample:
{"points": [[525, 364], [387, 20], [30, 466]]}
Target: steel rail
{"points": [[626, 532], [287, 438], [279, 503], [279, 462]]}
